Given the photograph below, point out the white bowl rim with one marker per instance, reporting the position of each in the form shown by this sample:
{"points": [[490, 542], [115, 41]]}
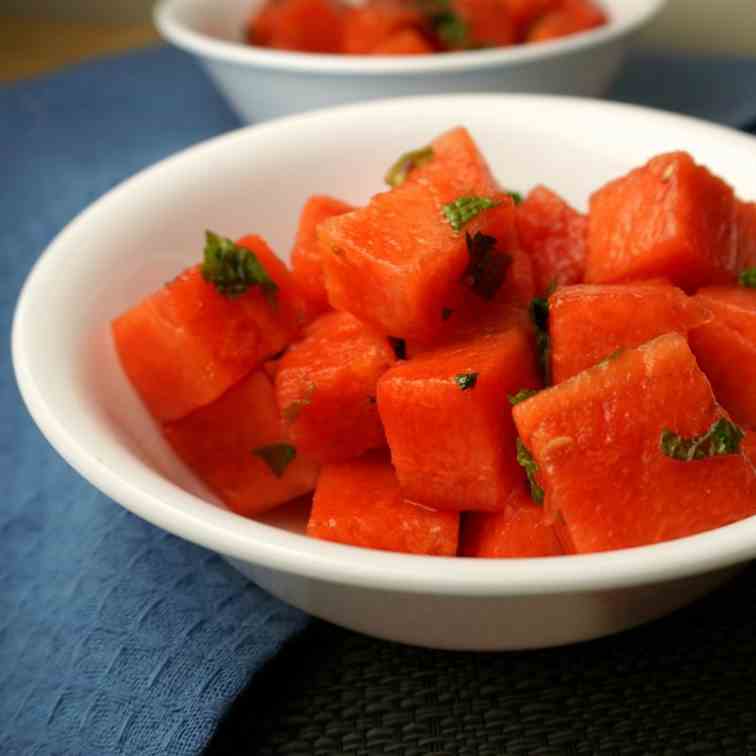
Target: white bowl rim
{"points": [[168, 22], [173, 509]]}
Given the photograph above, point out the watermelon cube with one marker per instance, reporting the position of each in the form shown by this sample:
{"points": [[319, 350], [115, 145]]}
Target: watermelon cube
{"points": [[326, 387], [186, 344], [402, 261], [306, 267], [670, 218], [726, 349], [518, 531], [238, 446], [449, 423], [359, 503], [589, 322], [554, 235], [598, 441], [745, 225]]}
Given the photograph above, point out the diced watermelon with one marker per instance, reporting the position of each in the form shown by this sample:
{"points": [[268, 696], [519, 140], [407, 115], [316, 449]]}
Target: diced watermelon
{"points": [[260, 27], [729, 362], [186, 344], [368, 26], [399, 264], [313, 26], [326, 388], [486, 25], [733, 306], [525, 12], [218, 443], [403, 42], [589, 322], [554, 235], [745, 224], [670, 218], [520, 530], [749, 446], [448, 420], [726, 349], [359, 503], [596, 440], [571, 17], [494, 317], [306, 267], [456, 168]]}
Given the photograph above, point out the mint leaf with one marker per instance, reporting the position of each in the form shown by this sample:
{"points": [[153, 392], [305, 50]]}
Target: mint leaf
{"points": [[748, 278], [487, 269], [466, 381], [539, 314], [446, 23], [526, 461], [233, 269], [521, 396], [277, 457], [610, 357], [407, 162], [464, 209], [722, 438], [451, 29], [516, 197], [399, 346]]}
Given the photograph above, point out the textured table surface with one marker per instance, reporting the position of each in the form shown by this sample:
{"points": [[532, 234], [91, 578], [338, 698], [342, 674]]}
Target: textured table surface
{"points": [[682, 685]]}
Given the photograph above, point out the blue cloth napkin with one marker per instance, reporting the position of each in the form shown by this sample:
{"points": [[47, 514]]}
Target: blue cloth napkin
{"points": [[718, 89], [116, 638]]}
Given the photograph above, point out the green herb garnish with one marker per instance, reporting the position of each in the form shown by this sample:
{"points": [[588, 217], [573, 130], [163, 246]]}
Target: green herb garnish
{"points": [[487, 269], [407, 162], [748, 278], [539, 314], [466, 381], [516, 197], [464, 209], [610, 357], [525, 459], [448, 26], [451, 29], [722, 438], [521, 396], [277, 457], [399, 346], [233, 269]]}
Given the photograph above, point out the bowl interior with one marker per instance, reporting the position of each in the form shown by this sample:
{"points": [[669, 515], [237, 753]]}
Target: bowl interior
{"points": [[256, 180]]}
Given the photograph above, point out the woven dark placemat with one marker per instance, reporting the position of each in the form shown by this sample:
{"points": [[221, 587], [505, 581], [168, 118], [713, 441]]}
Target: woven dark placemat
{"points": [[685, 684], [682, 685]]}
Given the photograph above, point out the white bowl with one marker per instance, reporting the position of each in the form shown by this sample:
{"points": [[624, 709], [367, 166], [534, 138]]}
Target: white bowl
{"points": [[256, 179], [261, 83]]}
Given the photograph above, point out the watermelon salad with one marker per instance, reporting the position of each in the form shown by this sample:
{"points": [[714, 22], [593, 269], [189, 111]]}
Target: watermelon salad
{"points": [[416, 27], [453, 369]]}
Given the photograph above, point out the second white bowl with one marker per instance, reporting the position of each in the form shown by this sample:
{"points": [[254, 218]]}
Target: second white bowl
{"points": [[261, 83]]}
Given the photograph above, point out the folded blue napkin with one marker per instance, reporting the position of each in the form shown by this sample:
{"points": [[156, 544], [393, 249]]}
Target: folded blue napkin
{"points": [[116, 638], [719, 89]]}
